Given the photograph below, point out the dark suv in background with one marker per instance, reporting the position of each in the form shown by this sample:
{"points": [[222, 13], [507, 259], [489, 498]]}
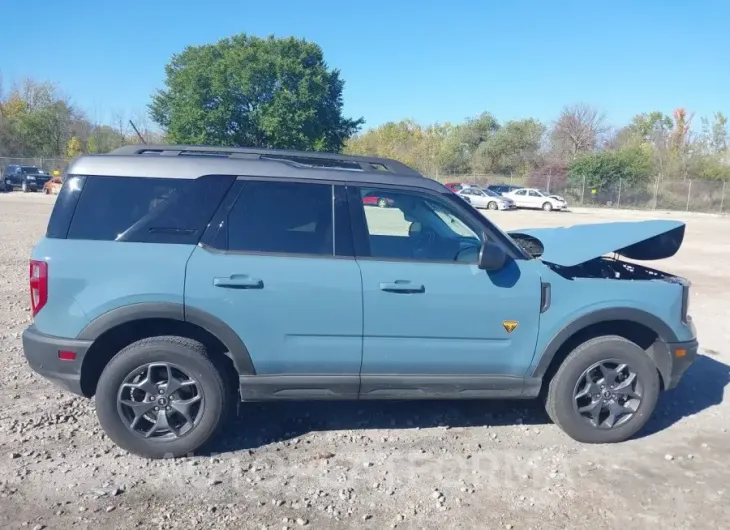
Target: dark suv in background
{"points": [[27, 178], [503, 188]]}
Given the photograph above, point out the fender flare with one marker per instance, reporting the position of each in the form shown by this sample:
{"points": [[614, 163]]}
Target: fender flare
{"points": [[237, 350], [663, 331]]}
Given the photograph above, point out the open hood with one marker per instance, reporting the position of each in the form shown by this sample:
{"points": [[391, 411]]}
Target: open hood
{"points": [[573, 245]]}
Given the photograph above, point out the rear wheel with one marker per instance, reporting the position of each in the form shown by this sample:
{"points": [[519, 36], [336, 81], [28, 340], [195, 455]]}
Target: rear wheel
{"points": [[547, 206], [161, 397], [492, 205], [604, 392]]}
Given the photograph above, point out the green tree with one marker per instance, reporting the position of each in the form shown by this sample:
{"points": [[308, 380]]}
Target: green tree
{"points": [[249, 91], [632, 166], [460, 147], [514, 147]]}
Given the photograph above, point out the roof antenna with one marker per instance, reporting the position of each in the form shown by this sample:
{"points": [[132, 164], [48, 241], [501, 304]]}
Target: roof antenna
{"points": [[135, 130]]}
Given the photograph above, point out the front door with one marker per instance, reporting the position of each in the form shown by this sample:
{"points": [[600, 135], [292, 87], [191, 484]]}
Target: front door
{"points": [[277, 281], [435, 325]]}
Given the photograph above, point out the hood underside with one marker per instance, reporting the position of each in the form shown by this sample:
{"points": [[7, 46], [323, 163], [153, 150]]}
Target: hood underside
{"points": [[572, 245]]}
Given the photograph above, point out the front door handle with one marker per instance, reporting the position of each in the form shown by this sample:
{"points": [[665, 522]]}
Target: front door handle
{"points": [[239, 281], [402, 286]]}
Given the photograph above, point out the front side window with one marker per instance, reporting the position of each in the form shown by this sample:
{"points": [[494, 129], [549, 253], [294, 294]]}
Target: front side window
{"points": [[282, 217], [420, 227]]}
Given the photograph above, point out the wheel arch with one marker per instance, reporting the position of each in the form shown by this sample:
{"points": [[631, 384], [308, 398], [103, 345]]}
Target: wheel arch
{"points": [[636, 325], [124, 325]]}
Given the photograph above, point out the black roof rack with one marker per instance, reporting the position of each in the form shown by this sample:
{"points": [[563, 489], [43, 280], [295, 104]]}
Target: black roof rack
{"points": [[302, 158]]}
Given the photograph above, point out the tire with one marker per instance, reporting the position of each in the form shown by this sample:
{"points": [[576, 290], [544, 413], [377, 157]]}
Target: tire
{"points": [[548, 207], [492, 205], [560, 403], [189, 358], [382, 203]]}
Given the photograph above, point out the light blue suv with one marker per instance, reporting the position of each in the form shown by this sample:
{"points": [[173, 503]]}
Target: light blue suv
{"points": [[173, 280]]}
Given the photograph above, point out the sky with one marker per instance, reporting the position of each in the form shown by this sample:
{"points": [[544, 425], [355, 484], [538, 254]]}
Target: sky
{"points": [[429, 60]]}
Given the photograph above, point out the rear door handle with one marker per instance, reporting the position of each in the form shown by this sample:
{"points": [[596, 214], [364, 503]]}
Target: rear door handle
{"points": [[402, 286], [239, 281]]}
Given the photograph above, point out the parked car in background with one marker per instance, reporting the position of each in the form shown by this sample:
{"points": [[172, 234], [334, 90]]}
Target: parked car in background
{"points": [[53, 186], [27, 178], [455, 186], [485, 198], [374, 200], [532, 198], [503, 188]]}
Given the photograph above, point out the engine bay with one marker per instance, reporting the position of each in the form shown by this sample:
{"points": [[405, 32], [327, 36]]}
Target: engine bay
{"points": [[611, 269]]}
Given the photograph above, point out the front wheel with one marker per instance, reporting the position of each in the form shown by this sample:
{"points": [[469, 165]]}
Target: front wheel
{"points": [[161, 397], [492, 205], [547, 206], [604, 392]]}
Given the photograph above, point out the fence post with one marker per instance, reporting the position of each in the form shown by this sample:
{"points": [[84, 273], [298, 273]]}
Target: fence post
{"points": [[689, 193], [722, 197], [656, 192], [583, 190], [618, 202]]}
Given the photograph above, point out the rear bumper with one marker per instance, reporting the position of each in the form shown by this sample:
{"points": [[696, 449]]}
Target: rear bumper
{"points": [[682, 355], [42, 353]]}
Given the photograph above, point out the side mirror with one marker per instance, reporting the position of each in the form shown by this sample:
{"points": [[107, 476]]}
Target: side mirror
{"points": [[492, 257]]}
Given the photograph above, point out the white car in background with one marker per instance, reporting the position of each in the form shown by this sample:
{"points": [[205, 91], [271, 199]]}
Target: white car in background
{"points": [[532, 198], [484, 198]]}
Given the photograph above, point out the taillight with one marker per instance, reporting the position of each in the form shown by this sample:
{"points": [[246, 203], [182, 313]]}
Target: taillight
{"points": [[38, 286]]}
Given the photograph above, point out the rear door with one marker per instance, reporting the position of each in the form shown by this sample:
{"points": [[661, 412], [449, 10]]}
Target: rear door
{"points": [[434, 323], [279, 270]]}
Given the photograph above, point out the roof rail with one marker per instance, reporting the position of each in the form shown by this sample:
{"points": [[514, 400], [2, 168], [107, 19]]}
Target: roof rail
{"points": [[303, 158]]}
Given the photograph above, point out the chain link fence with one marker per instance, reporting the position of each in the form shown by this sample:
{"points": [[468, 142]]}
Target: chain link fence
{"points": [[691, 195], [46, 164]]}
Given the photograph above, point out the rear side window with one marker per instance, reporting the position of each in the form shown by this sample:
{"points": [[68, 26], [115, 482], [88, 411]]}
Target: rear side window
{"points": [[146, 210], [282, 217]]}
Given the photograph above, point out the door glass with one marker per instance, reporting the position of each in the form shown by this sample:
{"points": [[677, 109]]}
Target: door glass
{"points": [[533, 193], [282, 217], [520, 192], [419, 227]]}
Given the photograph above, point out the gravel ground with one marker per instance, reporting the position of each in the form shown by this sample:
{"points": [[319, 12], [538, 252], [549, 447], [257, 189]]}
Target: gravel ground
{"points": [[374, 465]]}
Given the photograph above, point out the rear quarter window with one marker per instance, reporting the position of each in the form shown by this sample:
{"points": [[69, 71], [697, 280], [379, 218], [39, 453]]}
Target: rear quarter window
{"points": [[135, 209]]}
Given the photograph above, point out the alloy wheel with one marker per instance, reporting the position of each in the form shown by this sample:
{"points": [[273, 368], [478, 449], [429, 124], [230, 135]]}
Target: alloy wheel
{"points": [[160, 401], [607, 394]]}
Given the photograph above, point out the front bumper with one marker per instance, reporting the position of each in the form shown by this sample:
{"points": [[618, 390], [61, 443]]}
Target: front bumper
{"points": [[34, 185], [682, 355], [42, 353]]}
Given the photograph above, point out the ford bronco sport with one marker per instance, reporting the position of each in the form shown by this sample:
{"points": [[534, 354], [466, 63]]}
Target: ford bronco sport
{"points": [[173, 280]]}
